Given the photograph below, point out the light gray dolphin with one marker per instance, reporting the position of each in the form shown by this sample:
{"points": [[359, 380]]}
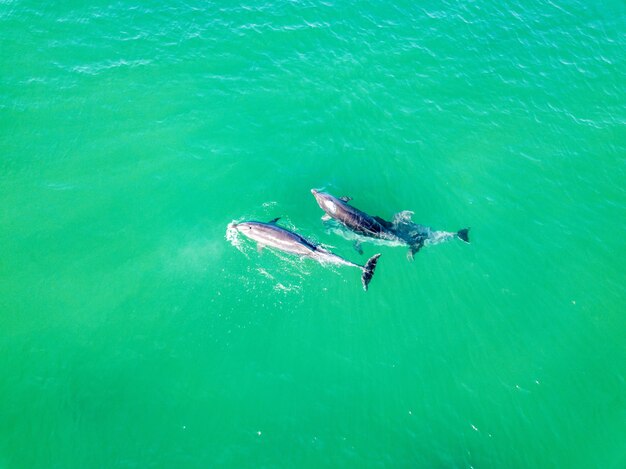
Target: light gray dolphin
{"points": [[399, 231], [273, 236]]}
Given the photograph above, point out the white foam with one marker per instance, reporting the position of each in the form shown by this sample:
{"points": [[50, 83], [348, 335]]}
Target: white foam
{"points": [[232, 236]]}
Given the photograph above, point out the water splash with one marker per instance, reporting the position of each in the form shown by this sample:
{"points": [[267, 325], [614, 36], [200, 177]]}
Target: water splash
{"points": [[408, 229], [232, 236]]}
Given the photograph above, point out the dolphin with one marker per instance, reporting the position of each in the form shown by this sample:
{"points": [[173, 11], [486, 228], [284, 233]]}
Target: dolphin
{"points": [[271, 235], [399, 231]]}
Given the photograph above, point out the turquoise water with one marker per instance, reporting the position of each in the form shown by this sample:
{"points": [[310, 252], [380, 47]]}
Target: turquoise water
{"points": [[133, 333]]}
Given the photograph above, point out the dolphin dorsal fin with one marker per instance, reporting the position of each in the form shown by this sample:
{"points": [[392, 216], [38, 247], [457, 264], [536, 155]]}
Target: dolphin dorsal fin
{"points": [[383, 222], [273, 222], [345, 198]]}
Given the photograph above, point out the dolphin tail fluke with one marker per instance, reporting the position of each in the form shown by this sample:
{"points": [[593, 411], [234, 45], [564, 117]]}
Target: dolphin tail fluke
{"points": [[368, 271], [463, 234]]}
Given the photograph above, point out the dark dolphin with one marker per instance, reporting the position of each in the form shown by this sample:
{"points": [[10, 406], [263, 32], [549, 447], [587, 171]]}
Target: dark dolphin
{"points": [[401, 230], [274, 236]]}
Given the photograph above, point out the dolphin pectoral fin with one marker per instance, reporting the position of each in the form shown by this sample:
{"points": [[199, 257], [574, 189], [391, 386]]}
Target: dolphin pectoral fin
{"points": [[273, 222], [357, 247], [412, 250], [345, 198], [326, 217], [259, 248]]}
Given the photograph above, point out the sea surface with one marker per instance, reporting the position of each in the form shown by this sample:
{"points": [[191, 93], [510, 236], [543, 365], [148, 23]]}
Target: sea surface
{"points": [[135, 332]]}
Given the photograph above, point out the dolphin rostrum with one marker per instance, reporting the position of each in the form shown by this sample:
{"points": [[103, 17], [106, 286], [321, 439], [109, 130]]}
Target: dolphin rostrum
{"points": [[274, 236], [399, 231]]}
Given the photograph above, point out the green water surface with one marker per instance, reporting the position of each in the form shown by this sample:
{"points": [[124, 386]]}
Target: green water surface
{"points": [[134, 334]]}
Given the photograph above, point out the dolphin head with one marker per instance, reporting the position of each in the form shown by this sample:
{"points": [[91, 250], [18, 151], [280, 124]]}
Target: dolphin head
{"points": [[325, 201], [252, 230], [243, 227], [320, 196]]}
